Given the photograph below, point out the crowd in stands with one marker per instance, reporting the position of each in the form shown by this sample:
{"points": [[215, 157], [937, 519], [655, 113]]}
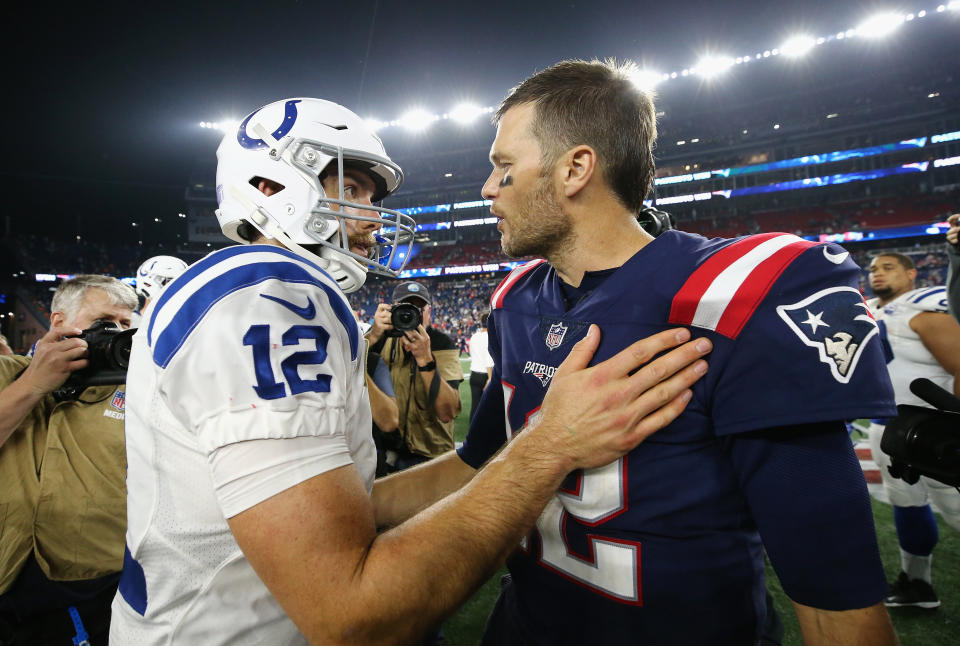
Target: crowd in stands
{"points": [[833, 217], [457, 302]]}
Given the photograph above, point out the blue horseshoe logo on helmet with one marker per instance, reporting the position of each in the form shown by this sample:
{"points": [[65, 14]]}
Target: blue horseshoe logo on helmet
{"points": [[289, 118]]}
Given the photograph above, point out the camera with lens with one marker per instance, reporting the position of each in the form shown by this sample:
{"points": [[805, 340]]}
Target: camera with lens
{"points": [[403, 317], [925, 442], [654, 221], [108, 355]]}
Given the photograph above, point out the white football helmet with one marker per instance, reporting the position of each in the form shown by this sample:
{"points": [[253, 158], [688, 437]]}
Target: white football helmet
{"points": [[156, 272], [292, 142]]}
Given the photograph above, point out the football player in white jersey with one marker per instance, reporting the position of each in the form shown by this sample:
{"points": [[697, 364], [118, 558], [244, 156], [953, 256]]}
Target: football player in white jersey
{"points": [[249, 450], [921, 340], [152, 275]]}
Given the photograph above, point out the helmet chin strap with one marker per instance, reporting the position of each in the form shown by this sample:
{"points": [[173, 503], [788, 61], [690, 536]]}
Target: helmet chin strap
{"points": [[349, 274]]}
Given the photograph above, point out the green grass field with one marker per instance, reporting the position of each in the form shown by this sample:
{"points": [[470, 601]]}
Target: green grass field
{"points": [[914, 627]]}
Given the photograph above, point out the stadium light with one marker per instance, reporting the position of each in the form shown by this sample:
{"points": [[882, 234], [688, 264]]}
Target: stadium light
{"points": [[713, 66], [646, 79], [879, 25], [222, 126], [416, 120], [466, 113], [797, 46], [876, 26]]}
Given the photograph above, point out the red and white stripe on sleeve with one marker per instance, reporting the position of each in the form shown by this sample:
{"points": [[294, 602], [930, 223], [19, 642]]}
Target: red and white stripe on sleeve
{"points": [[724, 292], [496, 300]]}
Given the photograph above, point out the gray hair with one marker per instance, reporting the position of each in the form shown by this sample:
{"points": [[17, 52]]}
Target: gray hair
{"points": [[69, 294]]}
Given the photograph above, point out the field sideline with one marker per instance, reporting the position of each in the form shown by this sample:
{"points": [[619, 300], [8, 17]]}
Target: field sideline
{"points": [[914, 627]]}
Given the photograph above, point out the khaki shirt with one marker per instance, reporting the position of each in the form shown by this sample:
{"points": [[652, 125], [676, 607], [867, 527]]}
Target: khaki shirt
{"points": [[422, 432], [63, 485]]}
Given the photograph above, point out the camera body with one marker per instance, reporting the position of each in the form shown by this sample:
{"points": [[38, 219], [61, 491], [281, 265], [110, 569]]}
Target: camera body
{"points": [[924, 441], [108, 355], [403, 317], [654, 221]]}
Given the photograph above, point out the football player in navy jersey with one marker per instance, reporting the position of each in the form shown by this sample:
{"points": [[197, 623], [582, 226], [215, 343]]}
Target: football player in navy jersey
{"points": [[250, 456], [665, 545]]}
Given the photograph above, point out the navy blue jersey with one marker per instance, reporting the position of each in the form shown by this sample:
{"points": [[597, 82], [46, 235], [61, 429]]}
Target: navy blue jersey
{"points": [[662, 546]]}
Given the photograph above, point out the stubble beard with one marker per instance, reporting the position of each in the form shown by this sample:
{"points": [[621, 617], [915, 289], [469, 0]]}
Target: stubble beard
{"points": [[539, 227], [883, 293]]}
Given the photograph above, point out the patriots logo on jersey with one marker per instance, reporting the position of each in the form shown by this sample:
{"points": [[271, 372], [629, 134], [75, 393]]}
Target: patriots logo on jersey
{"points": [[555, 335], [541, 371], [837, 323]]}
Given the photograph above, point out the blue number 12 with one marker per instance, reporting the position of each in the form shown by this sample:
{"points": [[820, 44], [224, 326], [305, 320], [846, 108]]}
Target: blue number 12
{"points": [[258, 337]]}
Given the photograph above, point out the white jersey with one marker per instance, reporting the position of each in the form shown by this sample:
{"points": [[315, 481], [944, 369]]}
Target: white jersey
{"points": [[910, 358], [246, 378], [480, 358]]}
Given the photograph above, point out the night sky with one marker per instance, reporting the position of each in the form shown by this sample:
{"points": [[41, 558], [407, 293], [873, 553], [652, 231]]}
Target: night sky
{"points": [[102, 101]]}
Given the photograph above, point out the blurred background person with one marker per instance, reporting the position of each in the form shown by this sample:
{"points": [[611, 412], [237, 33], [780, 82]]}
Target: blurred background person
{"points": [[481, 365], [383, 406], [152, 277], [920, 339]]}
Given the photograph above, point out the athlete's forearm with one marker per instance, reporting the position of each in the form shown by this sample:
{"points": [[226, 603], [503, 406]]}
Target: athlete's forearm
{"points": [[470, 534], [386, 414], [401, 495], [861, 627]]}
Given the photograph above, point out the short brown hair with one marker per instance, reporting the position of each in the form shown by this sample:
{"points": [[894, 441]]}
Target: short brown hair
{"points": [[905, 261], [597, 104]]}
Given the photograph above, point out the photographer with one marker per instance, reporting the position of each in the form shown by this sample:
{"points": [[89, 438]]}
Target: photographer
{"points": [[62, 477], [425, 371]]}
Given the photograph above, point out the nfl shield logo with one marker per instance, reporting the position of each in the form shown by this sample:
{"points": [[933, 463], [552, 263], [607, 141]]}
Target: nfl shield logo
{"points": [[118, 399], [555, 335]]}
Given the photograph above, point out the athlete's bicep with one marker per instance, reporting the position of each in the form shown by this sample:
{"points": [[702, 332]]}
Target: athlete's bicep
{"points": [[808, 497], [308, 544], [940, 333]]}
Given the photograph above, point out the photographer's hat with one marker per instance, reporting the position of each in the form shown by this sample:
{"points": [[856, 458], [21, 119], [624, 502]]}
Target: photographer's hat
{"points": [[410, 290]]}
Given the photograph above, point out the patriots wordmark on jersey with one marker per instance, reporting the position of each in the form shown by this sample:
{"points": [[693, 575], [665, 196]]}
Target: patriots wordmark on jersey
{"points": [[250, 344], [662, 546]]}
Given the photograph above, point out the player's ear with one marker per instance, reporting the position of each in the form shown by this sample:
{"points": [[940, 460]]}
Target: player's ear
{"points": [[578, 166], [57, 319]]}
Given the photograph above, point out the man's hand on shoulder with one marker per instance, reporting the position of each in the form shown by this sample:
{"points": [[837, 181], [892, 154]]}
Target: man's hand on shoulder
{"points": [[591, 416], [54, 358]]}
